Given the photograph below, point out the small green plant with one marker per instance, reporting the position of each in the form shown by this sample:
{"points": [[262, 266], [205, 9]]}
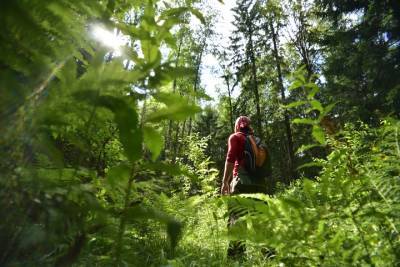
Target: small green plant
{"points": [[204, 180], [314, 110]]}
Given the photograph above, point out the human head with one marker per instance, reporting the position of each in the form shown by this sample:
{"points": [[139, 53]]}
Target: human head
{"points": [[242, 124]]}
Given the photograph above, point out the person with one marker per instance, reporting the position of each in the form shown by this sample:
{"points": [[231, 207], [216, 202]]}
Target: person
{"points": [[236, 179]]}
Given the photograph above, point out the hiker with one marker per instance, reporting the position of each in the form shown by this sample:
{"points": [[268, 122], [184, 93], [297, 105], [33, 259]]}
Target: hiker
{"points": [[239, 177]]}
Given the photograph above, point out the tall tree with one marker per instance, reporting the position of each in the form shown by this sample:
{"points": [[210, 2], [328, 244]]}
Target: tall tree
{"points": [[303, 31], [363, 57], [231, 81], [273, 24], [199, 49], [244, 47]]}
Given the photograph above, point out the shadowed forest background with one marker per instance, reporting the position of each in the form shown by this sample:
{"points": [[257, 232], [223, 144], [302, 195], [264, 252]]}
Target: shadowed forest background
{"points": [[115, 157]]}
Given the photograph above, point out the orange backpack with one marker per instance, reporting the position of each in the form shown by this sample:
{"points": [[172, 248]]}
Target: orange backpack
{"points": [[256, 157]]}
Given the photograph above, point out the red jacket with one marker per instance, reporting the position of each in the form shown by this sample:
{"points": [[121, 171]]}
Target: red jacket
{"points": [[235, 153]]}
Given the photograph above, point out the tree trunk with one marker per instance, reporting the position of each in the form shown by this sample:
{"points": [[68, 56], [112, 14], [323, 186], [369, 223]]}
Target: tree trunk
{"points": [[196, 78], [179, 147], [169, 133], [282, 90], [304, 51], [175, 144], [230, 102], [255, 83]]}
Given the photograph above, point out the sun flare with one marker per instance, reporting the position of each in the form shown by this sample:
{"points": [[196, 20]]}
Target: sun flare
{"points": [[111, 39]]}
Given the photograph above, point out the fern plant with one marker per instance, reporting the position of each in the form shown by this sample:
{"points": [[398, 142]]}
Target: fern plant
{"points": [[346, 216], [67, 103]]}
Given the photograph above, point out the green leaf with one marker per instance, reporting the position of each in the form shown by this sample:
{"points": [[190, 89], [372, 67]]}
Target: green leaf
{"points": [[130, 134], [198, 14], [305, 121], [148, 23], [170, 169], [126, 118], [201, 95], [165, 74], [173, 12], [151, 51], [170, 40], [153, 140], [174, 227], [372, 212], [178, 12], [309, 165], [314, 90], [118, 175], [304, 148], [295, 104], [311, 85], [316, 105], [296, 84], [178, 112], [309, 187], [300, 74], [47, 145], [174, 230], [178, 108], [328, 108], [67, 75], [292, 202], [31, 236], [135, 33], [167, 25], [168, 99], [318, 134]]}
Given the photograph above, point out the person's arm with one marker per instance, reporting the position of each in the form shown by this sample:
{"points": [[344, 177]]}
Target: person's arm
{"points": [[225, 188], [229, 165]]}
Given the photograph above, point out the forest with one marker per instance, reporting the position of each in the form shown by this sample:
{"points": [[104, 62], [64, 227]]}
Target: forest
{"points": [[114, 142]]}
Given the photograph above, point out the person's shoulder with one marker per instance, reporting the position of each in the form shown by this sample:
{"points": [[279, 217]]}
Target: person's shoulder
{"points": [[236, 136]]}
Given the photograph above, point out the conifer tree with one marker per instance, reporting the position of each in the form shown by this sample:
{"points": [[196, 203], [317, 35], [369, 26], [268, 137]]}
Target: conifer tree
{"points": [[244, 46], [362, 57]]}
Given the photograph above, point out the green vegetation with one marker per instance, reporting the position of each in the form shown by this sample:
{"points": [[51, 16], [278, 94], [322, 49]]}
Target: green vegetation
{"points": [[109, 157]]}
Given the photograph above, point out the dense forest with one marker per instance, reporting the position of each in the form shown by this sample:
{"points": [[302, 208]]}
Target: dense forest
{"points": [[115, 157]]}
